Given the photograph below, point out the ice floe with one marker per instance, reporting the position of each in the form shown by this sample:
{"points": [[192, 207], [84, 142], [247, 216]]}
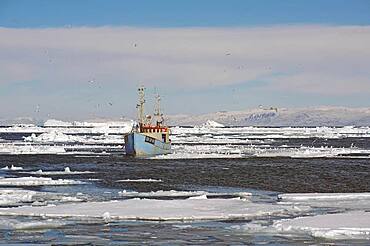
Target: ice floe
{"points": [[36, 181], [159, 210], [351, 225], [180, 194], [349, 201], [299, 197], [244, 151], [15, 149], [54, 137], [13, 224], [140, 180], [208, 141], [12, 168], [9, 197], [67, 171], [17, 197]]}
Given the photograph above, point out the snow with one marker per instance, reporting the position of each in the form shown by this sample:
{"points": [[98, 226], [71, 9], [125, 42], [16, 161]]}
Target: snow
{"points": [[159, 210], [139, 180], [351, 225], [36, 181], [272, 116]]}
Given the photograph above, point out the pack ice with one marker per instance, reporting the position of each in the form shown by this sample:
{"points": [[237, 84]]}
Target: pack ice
{"points": [[160, 210]]}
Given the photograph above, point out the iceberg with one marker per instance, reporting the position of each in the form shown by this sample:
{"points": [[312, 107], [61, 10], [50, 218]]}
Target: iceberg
{"points": [[211, 124]]}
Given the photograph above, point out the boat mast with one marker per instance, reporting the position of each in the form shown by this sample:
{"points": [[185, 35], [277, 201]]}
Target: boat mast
{"points": [[157, 111], [140, 106]]}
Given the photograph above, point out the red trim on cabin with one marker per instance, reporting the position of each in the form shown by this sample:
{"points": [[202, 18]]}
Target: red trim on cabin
{"points": [[154, 128]]}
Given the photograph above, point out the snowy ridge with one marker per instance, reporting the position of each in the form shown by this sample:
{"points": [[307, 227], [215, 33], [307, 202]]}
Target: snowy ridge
{"points": [[272, 116]]}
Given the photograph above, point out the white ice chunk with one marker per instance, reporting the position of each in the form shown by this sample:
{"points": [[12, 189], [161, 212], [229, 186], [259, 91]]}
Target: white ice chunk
{"points": [[174, 193], [323, 196], [139, 180], [145, 209], [13, 168], [21, 149], [67, 171], [14, 197], [211, 123], [330, 200], [54, 136], [201, 197], [34, 225], [352, 225], [36, 181]]}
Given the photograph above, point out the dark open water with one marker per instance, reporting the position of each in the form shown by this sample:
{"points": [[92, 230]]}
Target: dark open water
{"points": [[264, 177], [271, 174]]}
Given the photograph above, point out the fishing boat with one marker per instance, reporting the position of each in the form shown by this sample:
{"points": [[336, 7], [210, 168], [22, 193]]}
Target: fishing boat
{"points": [[146, 139]]}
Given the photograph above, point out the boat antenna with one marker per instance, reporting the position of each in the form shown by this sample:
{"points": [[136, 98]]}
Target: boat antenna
{"points": [[157, 110], [140, 105]]}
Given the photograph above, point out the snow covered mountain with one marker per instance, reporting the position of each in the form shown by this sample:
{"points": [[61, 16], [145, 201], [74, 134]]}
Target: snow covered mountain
{"points": [[319, 116], [313, 116]]}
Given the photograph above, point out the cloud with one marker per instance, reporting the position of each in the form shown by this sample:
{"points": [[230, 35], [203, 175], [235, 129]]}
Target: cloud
{"points": [[327, 60], [190, 57]]}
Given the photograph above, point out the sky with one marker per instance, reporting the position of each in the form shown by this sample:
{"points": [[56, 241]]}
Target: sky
{"points": [[81, 59]]}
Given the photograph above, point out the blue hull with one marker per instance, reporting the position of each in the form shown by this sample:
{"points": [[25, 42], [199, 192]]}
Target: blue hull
{"points": [[137, 144]]}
